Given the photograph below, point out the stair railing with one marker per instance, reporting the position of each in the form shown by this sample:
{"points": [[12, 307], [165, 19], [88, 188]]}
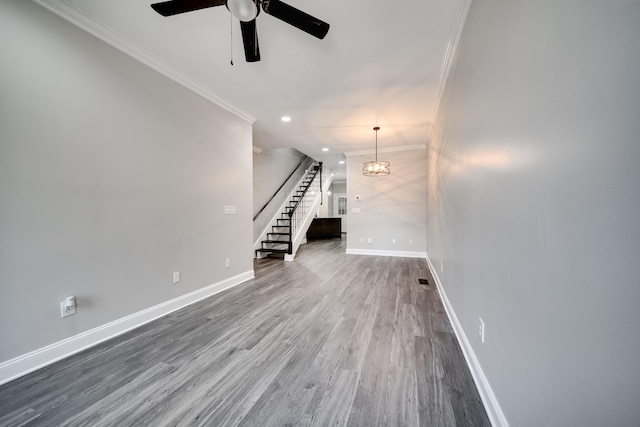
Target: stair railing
{"points": [[280, 188], [300, 211]]}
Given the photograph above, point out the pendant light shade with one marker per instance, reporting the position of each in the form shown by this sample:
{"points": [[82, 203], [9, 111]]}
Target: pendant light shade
{"points": [[376, 167]]}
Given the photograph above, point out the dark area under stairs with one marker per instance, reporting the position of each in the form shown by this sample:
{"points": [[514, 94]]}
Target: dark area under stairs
{"points": [[279, 240]]}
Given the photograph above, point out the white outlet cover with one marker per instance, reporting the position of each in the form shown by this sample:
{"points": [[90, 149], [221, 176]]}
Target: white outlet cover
{"points": [[66, 310], [176, 277]]}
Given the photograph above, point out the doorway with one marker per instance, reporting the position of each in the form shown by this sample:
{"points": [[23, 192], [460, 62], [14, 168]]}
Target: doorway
{"points": [[340, 209]]}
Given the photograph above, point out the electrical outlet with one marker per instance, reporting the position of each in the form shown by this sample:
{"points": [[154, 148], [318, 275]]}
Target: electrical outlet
{"points": [[68, 306], [227, 263], [369, 240], [481, 329], [411, 241], [393, 241], [176, 277], [441, 267]]}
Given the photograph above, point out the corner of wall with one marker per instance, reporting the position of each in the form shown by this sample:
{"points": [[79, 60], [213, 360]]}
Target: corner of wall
{"points": [[489, 400]]}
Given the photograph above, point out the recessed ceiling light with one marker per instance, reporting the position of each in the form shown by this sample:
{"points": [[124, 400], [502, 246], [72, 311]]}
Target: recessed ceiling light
{"points": [[325, 149], [285, 118], [341, 162]]}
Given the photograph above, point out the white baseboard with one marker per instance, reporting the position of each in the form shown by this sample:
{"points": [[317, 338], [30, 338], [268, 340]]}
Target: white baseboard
{"points": [[375, 252], [491, 405], [22, 365]]}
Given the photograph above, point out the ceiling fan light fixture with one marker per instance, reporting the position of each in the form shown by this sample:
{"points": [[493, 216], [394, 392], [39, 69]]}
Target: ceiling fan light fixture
{"points": [[376, 167], [244, 10]]}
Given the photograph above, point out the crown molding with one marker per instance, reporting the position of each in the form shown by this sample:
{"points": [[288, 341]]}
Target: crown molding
{"points": [[449, 56], [92, 26], [386, 150]]}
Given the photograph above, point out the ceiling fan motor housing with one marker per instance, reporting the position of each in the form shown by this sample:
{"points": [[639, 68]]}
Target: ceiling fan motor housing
{"points": [[244, 10]]}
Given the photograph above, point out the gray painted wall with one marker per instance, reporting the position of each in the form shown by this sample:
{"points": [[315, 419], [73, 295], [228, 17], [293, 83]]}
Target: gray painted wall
{"points": [[391, 207], [112, 177], [534, 205]]}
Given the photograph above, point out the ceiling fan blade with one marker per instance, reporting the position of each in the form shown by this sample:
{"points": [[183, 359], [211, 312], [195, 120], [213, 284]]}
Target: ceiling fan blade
{"points": [[296, 17], [174, 7], [250, 41]]}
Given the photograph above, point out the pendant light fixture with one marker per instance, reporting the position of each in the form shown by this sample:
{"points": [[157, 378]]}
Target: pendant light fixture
{"points": [[376, 167]]}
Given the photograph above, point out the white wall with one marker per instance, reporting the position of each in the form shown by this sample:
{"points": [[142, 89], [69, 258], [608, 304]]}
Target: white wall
{"points": [[534, 205], [112, 177], [391, 207]]}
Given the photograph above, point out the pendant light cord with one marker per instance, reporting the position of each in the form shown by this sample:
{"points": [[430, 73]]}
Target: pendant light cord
{"points": [[377, 128]]}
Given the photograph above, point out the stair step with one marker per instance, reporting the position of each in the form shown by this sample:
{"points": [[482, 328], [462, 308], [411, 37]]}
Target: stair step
{"points": [[277, 251], [279, 234]]}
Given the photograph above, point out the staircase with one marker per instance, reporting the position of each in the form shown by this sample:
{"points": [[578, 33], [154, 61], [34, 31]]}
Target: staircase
{"points": [[279, 241]]}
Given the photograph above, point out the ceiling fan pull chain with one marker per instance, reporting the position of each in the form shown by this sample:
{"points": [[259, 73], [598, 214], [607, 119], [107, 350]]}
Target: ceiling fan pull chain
{"points": [[231, 39]]}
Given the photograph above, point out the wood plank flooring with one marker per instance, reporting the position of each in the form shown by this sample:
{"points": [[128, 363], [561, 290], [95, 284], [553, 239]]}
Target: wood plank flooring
{"points": [[329, 339]]}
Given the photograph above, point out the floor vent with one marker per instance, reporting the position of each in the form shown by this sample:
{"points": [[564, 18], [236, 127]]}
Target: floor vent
{"points": [[423, 282]]}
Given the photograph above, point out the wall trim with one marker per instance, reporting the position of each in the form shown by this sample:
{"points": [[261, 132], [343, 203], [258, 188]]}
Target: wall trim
{"points": [[32, 361], [489, 400], [449, 56], [89, 24], [376, 252]]}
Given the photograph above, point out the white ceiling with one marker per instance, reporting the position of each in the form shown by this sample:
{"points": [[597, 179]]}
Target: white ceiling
{"points": [[379, 65]]}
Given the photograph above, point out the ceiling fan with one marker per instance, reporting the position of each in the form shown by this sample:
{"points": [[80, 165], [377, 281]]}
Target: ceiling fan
{"points": [[247, 11]]}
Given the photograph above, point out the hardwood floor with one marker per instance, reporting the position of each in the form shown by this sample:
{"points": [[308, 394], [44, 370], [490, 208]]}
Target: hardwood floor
{"points": [[329, 339]]}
